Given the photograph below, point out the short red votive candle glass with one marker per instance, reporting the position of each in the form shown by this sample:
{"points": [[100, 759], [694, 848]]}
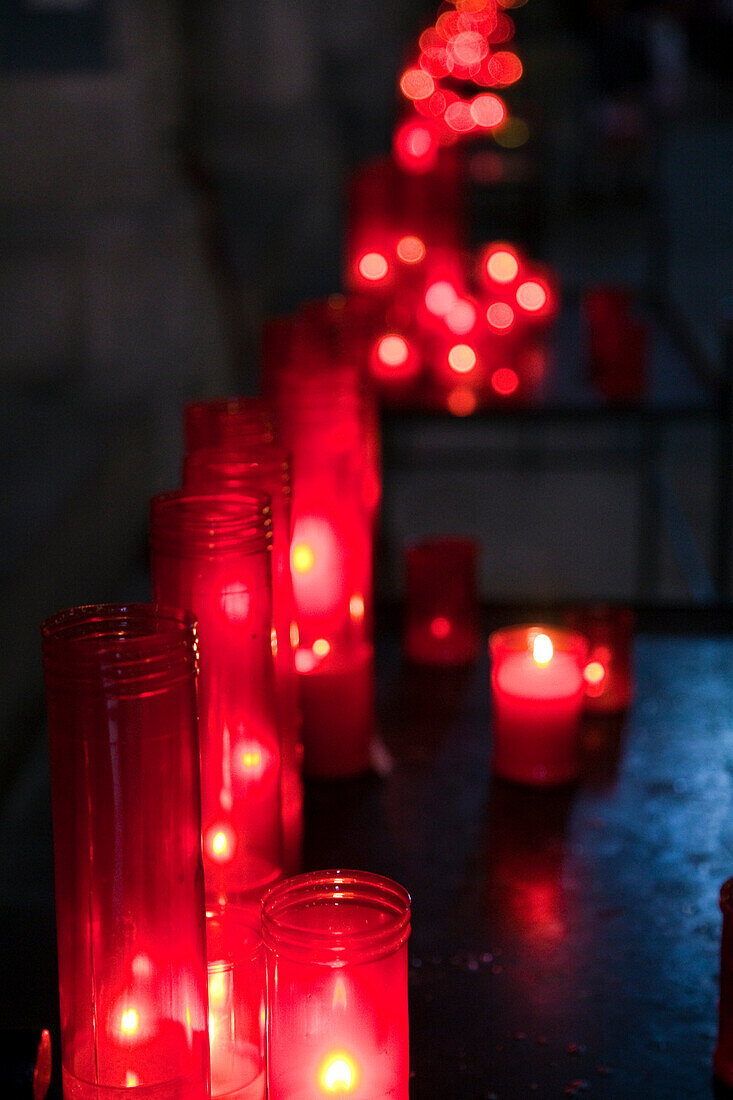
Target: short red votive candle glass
{"points": [[236, 969], [336, 953], [537, 692], [121, 702], [211, 553], [609, 671], [441, 613]]}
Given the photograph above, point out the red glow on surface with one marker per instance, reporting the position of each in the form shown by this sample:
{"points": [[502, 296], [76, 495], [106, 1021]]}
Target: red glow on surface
{"points": [[393, 350], [305, 660], [505, 67], [356, 607], [440, 297], [303, 558], [440, 627], [531, 296], [417, 84], [458, 116], [487, 110], [461, 318], [220, 843], [415, 147], [461, 401], [373, 266], [502, 265], [462, 358], [504, 381], [500, 316], [410, 250]]}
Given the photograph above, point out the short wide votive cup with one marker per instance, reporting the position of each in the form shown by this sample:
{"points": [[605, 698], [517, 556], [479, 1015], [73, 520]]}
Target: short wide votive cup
{"points": [[336, 953], [236, 973], [537, 692], [441, 601]]}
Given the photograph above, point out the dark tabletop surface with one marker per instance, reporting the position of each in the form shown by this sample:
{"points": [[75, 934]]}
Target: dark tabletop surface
{"points": [[564, 942]]}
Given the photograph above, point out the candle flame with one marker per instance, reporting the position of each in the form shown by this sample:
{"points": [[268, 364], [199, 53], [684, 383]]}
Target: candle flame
{"points": [[356, 606], [129, 1022], [220, 843], [339, 1074], [131, 1080], [440, 627], [303, 558], [542, 649], [594, 672], [321, 647]]}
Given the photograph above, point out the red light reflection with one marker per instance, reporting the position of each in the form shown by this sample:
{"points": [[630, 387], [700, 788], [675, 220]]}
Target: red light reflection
{"points": [[504, 381]]}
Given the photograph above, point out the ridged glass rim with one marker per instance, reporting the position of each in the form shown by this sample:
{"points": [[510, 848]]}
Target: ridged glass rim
{"points": [[335, 887], [253, 416], [266, 460], [135, 646], [194, 522]]}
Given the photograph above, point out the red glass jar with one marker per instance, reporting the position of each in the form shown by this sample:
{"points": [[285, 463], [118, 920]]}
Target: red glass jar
{"points": [[236, 970], [441, 615], [609, 673], [120, 692], [211, 553], [229, 421], [723, 1057], [266, 468], [336, 952], [320, 420], [537, 692]]}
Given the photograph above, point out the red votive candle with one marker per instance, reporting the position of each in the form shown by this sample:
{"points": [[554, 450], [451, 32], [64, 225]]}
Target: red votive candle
{"points": [[609, 674], [441, 618], [121, 701], [537, 691], [211, 553], [236, 969], [267, 468], [723, 1057], [336, 952]]}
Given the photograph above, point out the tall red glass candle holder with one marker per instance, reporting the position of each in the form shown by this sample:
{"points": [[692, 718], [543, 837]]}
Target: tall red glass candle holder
{"points": [[120, 692], [723, 1057], [211, 553], [331, 561], [537, 692], [336, 948], [236, 970], [233, 422], [441, 614], [609, 671], [267, 468]]}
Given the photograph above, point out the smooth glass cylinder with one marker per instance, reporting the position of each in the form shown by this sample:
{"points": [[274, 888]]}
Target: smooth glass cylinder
{"points": [[723, 1057], [211, 553], [336, 952], [236, 971], [267, 468], [609, 673], [537, 693], [320, 419], [441, 612], [121, 702]]}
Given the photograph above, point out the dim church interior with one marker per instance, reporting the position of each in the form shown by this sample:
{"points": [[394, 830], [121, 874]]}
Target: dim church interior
{"points": [[179, 178]]}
